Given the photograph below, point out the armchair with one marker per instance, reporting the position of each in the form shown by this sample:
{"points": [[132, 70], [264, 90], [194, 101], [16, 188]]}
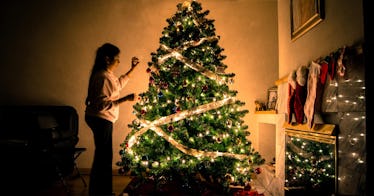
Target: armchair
{"points": [[37, 143]]}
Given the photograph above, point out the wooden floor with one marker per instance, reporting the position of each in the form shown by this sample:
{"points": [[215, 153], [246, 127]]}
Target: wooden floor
{"points": [[76, 186]]}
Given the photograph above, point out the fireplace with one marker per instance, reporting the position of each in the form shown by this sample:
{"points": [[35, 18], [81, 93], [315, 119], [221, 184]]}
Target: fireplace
{"points": [[310, 160], [268, 139]]}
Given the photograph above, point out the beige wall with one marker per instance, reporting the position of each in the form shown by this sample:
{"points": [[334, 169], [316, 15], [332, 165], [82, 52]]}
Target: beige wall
{"points": [[343, 25], [47, 50]]}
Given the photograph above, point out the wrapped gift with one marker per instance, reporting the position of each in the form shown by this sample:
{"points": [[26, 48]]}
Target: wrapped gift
{"points": [[244, 192]]}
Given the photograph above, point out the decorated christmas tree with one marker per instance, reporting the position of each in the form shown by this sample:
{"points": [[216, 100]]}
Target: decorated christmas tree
{"points": [[188, 124]]}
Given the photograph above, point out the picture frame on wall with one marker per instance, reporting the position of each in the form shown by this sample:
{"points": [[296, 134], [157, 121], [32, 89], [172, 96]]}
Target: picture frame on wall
{"points": [[305, 14], [272, 98]]}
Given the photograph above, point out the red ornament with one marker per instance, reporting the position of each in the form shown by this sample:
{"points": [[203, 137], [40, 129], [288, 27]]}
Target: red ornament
{"points": [[148, 70], [258, 170], [143, 112], [151, 80], [165, 85], [171, 128], [205, 88]]}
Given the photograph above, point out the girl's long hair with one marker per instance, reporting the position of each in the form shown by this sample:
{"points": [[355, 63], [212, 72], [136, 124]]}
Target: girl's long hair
{"points": [[105, 55]]}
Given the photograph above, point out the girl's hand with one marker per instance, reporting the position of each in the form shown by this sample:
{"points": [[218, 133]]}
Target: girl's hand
{"points": [[134, 61]]}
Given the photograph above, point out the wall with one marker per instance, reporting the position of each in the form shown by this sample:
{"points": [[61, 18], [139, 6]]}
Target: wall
{"points": [[48, 49], [343, 25]]}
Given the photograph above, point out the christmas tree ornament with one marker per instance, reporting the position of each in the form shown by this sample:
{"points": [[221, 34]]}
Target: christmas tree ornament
{"points": [[151, 80], [171, 128], [258, 170]]}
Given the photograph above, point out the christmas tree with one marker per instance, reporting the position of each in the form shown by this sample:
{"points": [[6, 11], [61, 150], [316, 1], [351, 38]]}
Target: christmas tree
{"points": [[189, 123]]}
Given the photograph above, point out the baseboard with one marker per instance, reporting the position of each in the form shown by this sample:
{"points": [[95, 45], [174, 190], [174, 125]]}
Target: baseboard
{"points": [[87, 171]]}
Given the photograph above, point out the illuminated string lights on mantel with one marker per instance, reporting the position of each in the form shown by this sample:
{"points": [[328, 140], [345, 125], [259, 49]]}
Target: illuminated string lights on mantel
{"points": [[154, 126]]}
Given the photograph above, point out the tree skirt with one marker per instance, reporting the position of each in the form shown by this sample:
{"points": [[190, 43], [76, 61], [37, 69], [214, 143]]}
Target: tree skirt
{"points": [[177, 188]]}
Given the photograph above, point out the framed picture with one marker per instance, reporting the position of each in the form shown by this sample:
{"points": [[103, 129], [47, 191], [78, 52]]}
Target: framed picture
{"points": [[272, 98], [305, 14]]}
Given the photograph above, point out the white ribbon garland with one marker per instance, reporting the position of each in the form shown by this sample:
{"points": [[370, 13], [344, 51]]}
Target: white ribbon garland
{"points": [[154, 126], [176, 53]]}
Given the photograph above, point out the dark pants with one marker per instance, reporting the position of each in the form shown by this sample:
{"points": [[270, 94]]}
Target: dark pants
{"points": [[101, 172]]}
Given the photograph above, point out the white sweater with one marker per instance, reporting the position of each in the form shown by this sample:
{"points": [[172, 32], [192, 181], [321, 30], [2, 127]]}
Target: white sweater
{"points": [[102, 92]]}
